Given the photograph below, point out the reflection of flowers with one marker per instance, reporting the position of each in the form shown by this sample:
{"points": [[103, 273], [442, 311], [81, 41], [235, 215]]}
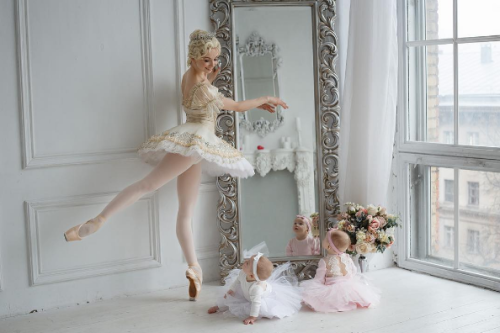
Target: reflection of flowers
{"points": [[371, 229], [314, 219]]}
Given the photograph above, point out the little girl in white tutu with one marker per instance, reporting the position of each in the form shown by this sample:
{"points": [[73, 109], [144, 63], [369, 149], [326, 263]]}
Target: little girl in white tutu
{"points": [[258, 291], [336, 286]]}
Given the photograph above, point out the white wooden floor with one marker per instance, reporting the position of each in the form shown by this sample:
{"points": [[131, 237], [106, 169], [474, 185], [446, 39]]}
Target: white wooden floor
{"points": [[411, 302]]}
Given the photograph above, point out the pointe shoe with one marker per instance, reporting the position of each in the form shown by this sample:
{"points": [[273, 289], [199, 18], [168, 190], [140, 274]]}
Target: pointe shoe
{"points": [[73, 234], [194, 281]]}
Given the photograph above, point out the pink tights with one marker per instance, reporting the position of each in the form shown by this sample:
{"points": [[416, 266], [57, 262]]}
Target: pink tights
{"points": [[188, 173]]}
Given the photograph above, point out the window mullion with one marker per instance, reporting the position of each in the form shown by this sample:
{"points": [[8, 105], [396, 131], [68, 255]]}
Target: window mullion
{"points": [[456, 204], [455, 71], [456, 129]]}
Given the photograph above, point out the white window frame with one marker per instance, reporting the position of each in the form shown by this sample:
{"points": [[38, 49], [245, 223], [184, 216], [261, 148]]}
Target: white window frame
{"points": [[405, 160], [454, 156]]}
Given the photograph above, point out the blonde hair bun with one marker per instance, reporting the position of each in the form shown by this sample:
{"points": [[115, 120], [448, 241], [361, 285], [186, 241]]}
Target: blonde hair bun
{"points": [[200, 43]]}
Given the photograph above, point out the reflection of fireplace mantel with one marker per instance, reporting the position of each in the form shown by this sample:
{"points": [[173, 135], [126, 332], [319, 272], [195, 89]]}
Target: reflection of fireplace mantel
{"points": [[299, 161]]}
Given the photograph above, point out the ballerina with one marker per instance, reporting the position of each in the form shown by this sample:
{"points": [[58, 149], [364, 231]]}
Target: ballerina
{"points": [[187, 150]]}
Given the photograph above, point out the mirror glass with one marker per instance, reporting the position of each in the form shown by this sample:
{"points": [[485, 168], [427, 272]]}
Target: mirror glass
{"points": [[284, 159], [257, 66]]}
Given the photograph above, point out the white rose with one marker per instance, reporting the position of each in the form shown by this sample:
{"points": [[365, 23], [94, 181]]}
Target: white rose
{"points": [[383, 237], [340, 225], [372, 210], [383, 211], [364, 248], [360, 236]]}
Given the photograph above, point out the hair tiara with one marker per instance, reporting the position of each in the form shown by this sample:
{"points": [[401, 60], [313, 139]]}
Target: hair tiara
{"points": [[204, 36]]}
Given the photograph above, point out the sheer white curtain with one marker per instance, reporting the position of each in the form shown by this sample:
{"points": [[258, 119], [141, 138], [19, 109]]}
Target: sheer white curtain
{"points": [[369, 97]]}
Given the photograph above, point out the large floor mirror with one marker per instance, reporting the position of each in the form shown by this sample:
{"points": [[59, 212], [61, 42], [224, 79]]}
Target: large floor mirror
{"points": [[286, 49]]}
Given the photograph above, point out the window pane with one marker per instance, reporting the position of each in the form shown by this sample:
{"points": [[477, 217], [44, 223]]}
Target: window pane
{"points": [[479, 94], [430, 19], [432, 214], [479, 222], [478, 18], [431, 116]]}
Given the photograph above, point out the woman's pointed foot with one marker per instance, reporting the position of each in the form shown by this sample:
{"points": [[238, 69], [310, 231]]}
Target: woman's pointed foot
{"points": [[81, 231], [195, 277]]}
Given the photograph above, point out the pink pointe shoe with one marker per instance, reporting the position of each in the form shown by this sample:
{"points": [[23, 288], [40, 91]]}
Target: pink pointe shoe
{"points": [[78, 232], [194, 275]]}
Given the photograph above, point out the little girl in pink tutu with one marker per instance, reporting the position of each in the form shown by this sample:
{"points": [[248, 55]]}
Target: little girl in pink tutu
{"points": [[336, 286], [304, 243]]}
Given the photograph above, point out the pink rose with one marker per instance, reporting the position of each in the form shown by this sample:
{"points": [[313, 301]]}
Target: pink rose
{"points": [[374, 224], [370, 238], [369, 218], [359, 213], [382, 221]]}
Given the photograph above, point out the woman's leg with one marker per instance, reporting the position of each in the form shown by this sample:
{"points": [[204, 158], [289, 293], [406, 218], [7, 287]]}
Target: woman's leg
{"points": [[170, 167], [188, 185]]}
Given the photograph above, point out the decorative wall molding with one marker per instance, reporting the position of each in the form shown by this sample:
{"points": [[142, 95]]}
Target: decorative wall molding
{"points": [[38, 276], [180, 44], [33, 160]]}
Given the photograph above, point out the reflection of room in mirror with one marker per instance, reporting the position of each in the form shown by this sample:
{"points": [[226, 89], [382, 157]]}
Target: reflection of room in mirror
{"points": [[284, 184], [295, 73], [268, 208]]}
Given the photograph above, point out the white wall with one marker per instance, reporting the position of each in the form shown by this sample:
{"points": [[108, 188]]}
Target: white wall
{"points": [[84, 98]]}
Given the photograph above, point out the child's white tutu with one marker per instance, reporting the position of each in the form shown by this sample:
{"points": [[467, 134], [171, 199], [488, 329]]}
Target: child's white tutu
{"points": [[283, 300]]}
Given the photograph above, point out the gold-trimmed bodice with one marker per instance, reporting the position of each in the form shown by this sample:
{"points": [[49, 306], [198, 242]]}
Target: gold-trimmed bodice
{"points": [[203, 103]]}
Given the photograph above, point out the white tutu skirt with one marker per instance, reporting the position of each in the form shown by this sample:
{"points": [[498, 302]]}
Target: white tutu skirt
{"points": [[342, 293], [283, 301], [198, 140]]}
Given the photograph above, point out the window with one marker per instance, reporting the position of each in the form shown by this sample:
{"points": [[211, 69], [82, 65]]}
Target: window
{"points": [[449, 190], [473, 241], [486, 54], [448, 233], [449, 138], [473, 193], [473, 138]]}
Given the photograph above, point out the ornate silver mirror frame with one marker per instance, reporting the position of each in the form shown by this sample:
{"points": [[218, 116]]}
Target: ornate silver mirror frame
{"points": [[327, 124], [256, 46]]}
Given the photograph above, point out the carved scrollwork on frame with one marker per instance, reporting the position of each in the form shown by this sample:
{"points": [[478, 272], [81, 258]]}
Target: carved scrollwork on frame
{"points": [[328, 125]]}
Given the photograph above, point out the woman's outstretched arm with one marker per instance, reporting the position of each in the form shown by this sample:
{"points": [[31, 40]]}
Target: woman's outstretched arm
{"points": [[267, 103]]}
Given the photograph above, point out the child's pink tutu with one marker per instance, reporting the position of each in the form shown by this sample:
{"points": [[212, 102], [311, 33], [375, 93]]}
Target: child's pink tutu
{"points": [[339, 293]]}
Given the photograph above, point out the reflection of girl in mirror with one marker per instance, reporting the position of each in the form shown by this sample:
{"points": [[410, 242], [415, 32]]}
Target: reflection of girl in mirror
{"points": [[258, 291], [184, 151], [336, 286], [303, 244]]}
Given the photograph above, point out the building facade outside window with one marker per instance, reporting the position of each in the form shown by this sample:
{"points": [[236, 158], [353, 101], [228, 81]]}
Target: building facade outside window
{"points": [[448, 146]]}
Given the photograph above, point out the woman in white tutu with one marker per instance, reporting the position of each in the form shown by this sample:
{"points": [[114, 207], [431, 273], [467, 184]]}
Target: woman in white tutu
{"points": [[184, 151], [336, 286], [257, 291]]}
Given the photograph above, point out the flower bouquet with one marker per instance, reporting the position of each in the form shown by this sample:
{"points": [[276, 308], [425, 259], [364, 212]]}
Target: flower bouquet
{"points": [[315, 225], [371, 229]]}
